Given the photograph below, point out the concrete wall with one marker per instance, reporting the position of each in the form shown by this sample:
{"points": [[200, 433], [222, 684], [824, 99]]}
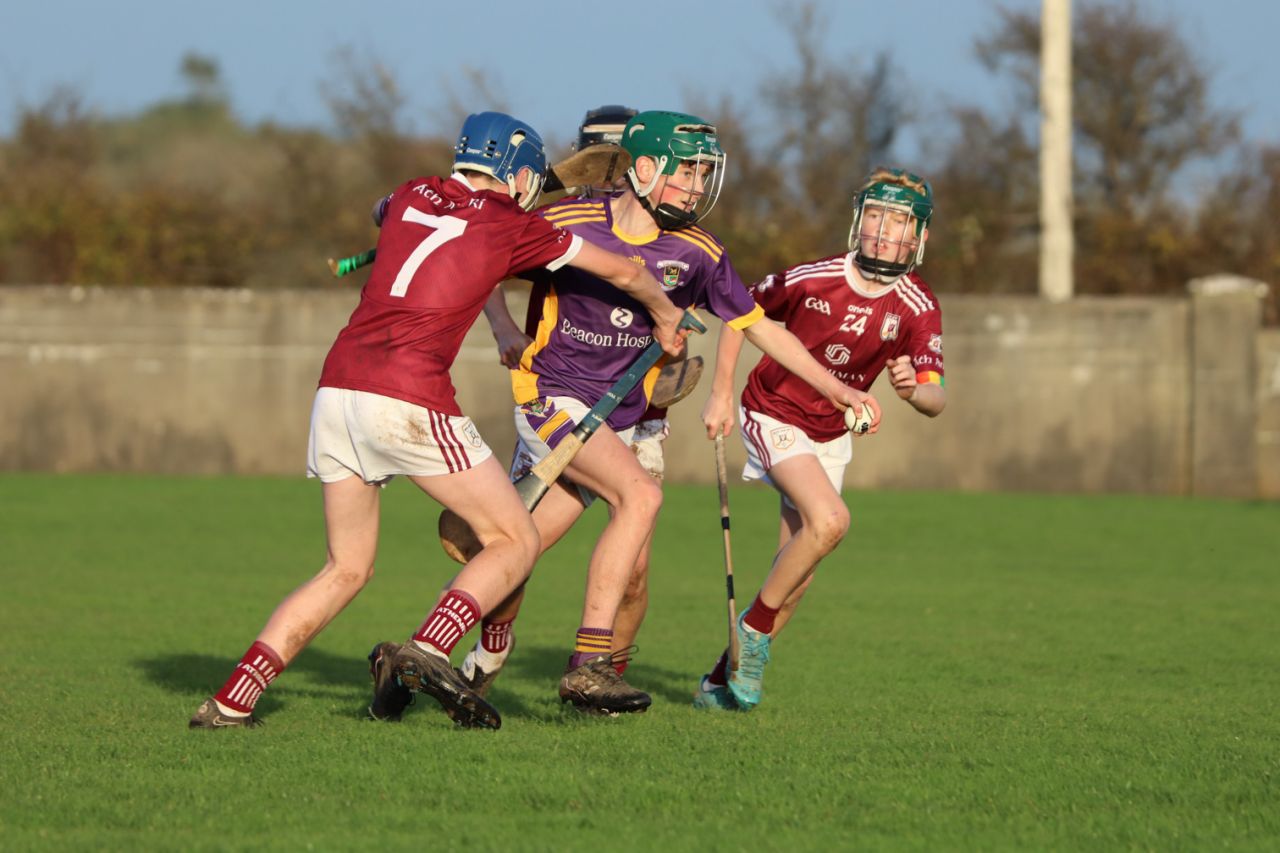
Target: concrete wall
{"points": [[1093, 395]]}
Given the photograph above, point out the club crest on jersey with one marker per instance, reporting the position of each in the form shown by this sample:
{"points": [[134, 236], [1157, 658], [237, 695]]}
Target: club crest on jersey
{"points": [[782, 437], [621, 317], [838, 354], [472, 435], [935, 343], [822, 306], [671, 273], [889, 328]]}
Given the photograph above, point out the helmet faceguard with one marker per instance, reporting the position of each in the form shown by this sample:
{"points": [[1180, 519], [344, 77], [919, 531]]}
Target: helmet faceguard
{"points": [[602, 126], [671, 140], [895, 206], [500, 146]]}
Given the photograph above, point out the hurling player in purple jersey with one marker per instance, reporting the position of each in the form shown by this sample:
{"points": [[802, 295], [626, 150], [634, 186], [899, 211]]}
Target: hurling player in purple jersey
{"points": [[586, 339], [859, 313], [386, 406]]}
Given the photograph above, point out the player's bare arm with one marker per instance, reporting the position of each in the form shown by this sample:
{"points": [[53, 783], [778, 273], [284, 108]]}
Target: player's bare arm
{"points": [[638, 283], [786, 349], [510, 338], [927, 399], [717, 414]]}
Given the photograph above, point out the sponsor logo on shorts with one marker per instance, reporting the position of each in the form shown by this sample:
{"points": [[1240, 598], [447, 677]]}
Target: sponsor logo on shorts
{"points": [[935, 343], [472, 435], [889, 328], [782, 437], [822, 306], [838, 354]]}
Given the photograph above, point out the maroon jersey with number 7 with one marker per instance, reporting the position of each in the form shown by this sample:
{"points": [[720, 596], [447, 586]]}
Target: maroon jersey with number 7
{"points": [[442, 249]]}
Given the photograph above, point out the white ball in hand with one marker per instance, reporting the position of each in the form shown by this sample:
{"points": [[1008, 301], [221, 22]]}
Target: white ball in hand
{"points": [[858, 425]]}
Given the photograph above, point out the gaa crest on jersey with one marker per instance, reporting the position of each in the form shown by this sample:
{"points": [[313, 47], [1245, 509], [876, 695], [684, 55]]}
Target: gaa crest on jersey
{"points": [[671, 273], [935, 343], [822, 306], [621, 317], [782, 437], [838, 354], [472, 435], [889, 328]]}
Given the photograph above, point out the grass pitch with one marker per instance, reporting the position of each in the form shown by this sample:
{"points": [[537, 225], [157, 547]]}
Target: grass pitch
{"points": [[968, 672]]}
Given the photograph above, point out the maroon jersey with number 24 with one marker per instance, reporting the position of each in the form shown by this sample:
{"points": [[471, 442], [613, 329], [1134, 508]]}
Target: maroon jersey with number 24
{"points": [[849, 331]]}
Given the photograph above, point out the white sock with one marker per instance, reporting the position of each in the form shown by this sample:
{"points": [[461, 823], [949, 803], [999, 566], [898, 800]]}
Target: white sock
{"points": [[430, 649]]}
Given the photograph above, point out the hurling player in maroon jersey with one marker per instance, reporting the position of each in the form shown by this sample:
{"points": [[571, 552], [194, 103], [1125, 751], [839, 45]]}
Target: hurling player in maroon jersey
{"points": [[858, 313], [588, 336], [386, 406]]}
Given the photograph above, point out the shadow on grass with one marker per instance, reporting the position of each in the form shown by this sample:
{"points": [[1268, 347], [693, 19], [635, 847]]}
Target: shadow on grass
{"points": [[545, 665], [314, 674], [323, 675]]}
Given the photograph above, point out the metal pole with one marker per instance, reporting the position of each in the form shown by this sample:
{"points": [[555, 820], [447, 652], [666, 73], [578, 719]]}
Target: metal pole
{"points": [[1057, 242]]}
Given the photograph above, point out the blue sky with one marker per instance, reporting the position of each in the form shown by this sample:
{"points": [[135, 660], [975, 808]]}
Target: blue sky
{"points": [[124, 55]]}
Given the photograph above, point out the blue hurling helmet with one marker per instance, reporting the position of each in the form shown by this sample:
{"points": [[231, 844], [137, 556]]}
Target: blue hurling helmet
{"points": [[500, 146]]}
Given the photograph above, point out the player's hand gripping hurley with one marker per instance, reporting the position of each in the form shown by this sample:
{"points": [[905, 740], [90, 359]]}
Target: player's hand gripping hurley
{"points": [[456, 536], [722, 478], [595, 165]]}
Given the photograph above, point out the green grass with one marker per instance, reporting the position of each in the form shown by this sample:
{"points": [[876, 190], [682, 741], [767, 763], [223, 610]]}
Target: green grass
{"points": [[968, 672]]}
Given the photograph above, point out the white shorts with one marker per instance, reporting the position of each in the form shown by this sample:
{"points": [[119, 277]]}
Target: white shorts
{"points": [[646, 441], [770, 441], [541, 426], [357, 433]]}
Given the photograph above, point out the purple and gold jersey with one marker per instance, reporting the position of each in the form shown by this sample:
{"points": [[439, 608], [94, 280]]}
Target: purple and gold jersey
{"points": [[590, 332]]}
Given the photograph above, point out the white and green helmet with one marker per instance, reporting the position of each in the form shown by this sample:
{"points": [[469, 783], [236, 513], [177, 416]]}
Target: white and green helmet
{"points": [[670, 139], [899, 191]]}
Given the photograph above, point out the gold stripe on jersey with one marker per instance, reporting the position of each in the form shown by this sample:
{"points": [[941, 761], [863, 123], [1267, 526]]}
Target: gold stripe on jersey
{"points": [[524, 382], [545, 431], [748, 319], [702, 240], [562, 222], [635, 239]]}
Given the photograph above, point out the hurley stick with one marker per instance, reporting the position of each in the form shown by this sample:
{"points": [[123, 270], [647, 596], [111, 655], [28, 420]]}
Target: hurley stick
{"points": [[722, 478], [457, 537]]}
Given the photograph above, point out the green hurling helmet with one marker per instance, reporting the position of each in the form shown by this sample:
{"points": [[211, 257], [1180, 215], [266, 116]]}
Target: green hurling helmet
{"points": [[889, 191], [671, 139]]}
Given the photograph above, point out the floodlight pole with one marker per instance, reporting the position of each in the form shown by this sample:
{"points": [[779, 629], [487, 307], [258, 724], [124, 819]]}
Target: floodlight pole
{"points": [[1057, 242]]}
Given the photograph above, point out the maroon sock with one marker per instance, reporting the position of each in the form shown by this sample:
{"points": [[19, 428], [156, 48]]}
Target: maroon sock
{"points": [[495, 637], [258, 668], [454, 616], [761, 616], [719, 674]]}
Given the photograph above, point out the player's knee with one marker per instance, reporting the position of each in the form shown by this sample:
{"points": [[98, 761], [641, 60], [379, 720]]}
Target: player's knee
{"points": [[829, 528], [349, 574], [645, 497], [526, 542]]}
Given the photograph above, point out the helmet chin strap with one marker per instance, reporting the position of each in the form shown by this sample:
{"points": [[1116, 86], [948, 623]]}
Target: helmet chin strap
{"points": [[884, 272], [668, 216]]}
